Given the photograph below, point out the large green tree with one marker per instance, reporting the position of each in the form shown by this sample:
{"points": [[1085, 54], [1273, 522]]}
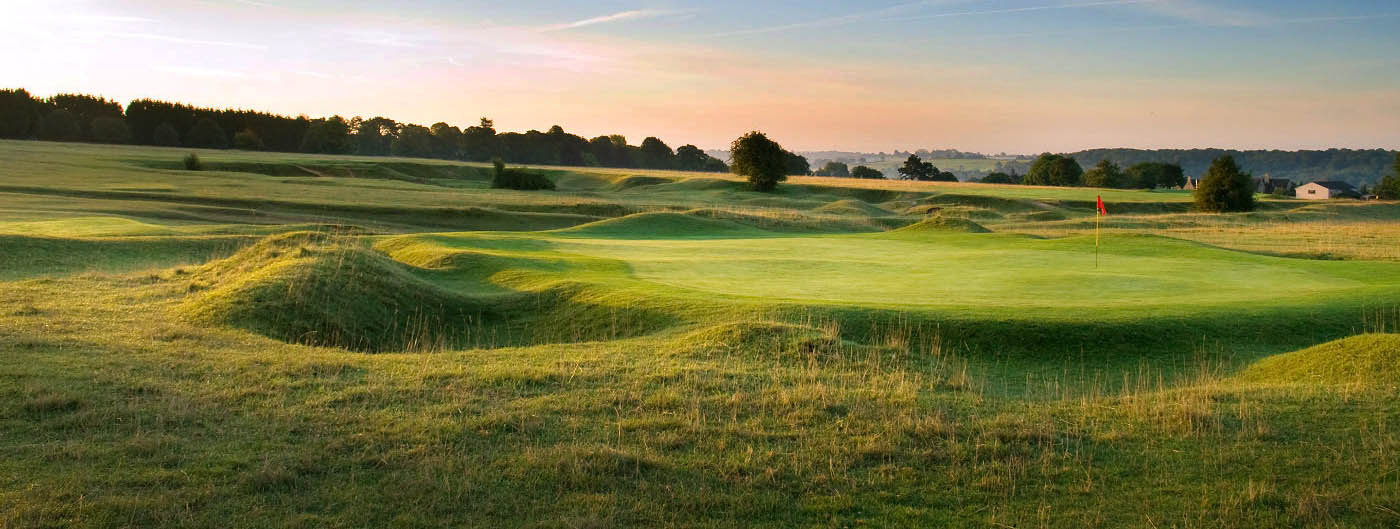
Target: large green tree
{"points": [[1225, 188], [1054, 170], [760, 159], [1389, 188], [1105, 174]]}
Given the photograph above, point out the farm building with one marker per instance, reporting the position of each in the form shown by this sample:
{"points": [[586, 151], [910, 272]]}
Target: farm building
{"points": [[1270, 185], [1324, 190]]}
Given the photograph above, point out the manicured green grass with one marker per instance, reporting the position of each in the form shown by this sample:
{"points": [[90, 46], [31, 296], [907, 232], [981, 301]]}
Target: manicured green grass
{"points": [[314, 341]]}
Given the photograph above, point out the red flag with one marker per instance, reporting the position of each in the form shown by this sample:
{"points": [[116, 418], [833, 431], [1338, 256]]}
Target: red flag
{"points": [[1102, 210]]}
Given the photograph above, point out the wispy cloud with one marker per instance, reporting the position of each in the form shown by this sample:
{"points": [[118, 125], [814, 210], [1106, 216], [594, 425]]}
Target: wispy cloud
{"points": [[181, 40], [203, 72], [1078, 5], [842, 20], [636, 14], [1210, 15]]}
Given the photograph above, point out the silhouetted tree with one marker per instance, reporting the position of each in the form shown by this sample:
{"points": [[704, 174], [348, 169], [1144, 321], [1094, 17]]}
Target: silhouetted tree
{"points": [[861, 171], [374, 136], [413, 140], [915, 168], [108, 129], [760, 159], [59, 125], [1054, 170], [1225, 188], [447, 141], [796, 164], [691, 158], [207, 134], [85, 109], [328, 136], [656, 154], [165, 135], [19, 114], [247, 140]]}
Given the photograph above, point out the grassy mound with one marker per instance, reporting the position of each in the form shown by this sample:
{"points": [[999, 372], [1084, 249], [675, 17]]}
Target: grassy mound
{"points": [[941, 223], [665, 225], [629, 182], [767, 338], [1368, 360], [1002, 205], [852, 208], [316, 289]]}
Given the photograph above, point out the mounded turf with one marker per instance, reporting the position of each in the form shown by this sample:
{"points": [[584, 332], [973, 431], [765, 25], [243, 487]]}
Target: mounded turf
{"points": [[1365, 360]]}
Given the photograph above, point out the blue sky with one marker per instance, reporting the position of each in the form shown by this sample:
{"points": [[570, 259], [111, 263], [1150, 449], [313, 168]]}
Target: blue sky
{"points": [[988, 75]]}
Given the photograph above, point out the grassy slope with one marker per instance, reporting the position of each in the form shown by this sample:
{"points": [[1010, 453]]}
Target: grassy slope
{"points": [[676, 371]]}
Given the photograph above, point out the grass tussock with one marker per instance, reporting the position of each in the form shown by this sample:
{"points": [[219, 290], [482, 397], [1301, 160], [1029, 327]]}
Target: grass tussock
{"points": [[318, 289]]}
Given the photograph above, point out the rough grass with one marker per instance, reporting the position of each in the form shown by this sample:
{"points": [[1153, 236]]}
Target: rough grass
{"points": [[1366, 360]]}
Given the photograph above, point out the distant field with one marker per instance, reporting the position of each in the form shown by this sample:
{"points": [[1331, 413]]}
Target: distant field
{"points": [[307, 340]]}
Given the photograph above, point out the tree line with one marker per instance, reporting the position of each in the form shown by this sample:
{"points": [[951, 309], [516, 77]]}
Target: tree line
{"points": [[86, 118], [1064, 171], [1355, 166]]}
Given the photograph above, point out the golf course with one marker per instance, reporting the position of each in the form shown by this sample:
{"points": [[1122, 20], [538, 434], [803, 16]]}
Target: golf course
{"points": [[309, 340]]}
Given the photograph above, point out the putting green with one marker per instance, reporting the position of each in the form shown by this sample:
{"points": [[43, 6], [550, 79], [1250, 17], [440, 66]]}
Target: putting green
{"points": [[970, 271]]}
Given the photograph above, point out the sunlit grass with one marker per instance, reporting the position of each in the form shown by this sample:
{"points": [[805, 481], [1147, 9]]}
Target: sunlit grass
{"points": [[672, 350]]}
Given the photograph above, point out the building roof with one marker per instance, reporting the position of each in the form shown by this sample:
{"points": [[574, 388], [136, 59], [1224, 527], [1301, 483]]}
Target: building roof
{"points": [[1335, 186]]}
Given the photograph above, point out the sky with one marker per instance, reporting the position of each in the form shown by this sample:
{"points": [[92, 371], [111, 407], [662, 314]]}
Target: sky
{"points": [[1017, 76]]}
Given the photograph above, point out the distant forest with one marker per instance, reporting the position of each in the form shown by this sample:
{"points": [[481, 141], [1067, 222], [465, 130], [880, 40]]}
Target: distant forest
{"points": [[1353, 166], [85, 118]]}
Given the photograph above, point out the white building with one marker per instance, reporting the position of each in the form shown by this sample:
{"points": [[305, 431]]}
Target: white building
{"points": [[1325, 190]]}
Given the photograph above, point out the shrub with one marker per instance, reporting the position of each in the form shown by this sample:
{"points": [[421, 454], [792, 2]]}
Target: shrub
{"points": [[518, 179], [192, 162], [1225, 188]]}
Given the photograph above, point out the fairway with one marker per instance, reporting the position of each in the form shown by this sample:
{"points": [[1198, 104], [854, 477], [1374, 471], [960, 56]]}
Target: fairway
{"points": [[984, 271]]}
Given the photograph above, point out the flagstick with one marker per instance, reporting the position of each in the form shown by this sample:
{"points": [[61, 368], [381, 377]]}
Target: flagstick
{"points": [[1098, 220]]}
